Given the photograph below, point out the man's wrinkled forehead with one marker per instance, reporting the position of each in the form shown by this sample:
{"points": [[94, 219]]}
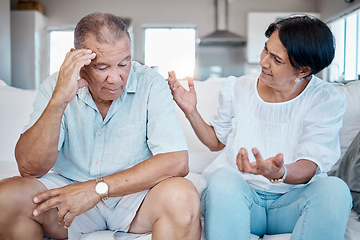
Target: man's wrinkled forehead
{"points": [[117, 48]]}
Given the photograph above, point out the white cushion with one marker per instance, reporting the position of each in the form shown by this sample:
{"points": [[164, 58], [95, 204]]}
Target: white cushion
{"points": [[8, 169], [351, 123], [15, 108], [207, 103]]}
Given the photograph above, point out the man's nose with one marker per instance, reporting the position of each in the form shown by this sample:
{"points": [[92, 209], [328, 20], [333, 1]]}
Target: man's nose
{"points": [[114, 76]]}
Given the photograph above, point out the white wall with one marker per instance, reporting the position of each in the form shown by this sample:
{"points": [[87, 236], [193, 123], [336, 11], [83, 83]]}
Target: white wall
{"points": [[5, 43], [29, 47], [200, 13]]}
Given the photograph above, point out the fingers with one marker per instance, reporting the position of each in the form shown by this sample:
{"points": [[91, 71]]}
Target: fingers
{"points": [[69, 82], [46, 195], [65, 217], [243, 162], [69, 218], [172, 81], [75, 60], [49, 201], [279, 160], [172, 75], [79, 54], [191, 84], [259, 159], [61, 215]]}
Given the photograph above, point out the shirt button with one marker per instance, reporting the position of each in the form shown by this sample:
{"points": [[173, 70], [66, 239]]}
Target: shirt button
{"points": [[99, 133], [96, 161]]}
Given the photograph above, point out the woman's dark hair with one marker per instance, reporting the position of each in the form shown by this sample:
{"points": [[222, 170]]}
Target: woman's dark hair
{"points": [[100, 25], [308, 41]]}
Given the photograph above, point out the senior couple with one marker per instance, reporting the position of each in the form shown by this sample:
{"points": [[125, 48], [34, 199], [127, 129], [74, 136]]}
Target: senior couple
{"points": [[105, 150]]}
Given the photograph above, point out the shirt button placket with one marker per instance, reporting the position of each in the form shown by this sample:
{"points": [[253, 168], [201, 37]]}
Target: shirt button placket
{"points": [[98, 151]]}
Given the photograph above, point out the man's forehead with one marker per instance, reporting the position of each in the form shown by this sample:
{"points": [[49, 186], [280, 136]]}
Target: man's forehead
{"points": [[120, 49], [111, 52]]}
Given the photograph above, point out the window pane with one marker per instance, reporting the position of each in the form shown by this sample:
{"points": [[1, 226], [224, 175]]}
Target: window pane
{"points": [[171, 49], [60, 43], [337, 66], [350, 47]]}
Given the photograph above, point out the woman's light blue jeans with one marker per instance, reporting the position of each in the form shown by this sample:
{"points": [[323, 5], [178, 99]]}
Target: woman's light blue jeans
{"points": [[232, 209]]}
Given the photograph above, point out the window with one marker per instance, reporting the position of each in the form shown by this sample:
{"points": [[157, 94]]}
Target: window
{"points": [[337, 66], [171, 49], [346, 64], [60, 43]]}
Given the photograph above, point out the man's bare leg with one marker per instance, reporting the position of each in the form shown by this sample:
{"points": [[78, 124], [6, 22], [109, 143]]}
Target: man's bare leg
{"points": [[170, 210], [16, 207]]}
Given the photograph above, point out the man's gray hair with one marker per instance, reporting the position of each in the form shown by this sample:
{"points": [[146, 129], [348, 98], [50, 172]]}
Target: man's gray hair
{"points": [[105, 27]]}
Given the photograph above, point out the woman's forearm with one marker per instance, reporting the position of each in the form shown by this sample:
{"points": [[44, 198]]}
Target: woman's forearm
{"points": [[204, 132]]}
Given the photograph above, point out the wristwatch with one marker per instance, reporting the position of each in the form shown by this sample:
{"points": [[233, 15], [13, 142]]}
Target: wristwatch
{"points": [[102, 188]]}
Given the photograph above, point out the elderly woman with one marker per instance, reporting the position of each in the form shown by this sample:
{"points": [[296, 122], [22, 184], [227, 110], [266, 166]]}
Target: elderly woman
{"points": [[279, 136]]}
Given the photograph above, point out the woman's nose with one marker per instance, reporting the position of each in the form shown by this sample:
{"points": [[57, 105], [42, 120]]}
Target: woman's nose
{"points": [[264, 60]]}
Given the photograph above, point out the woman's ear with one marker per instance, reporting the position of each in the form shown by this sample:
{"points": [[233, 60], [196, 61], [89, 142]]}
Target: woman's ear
{"points": [[304, 71]]}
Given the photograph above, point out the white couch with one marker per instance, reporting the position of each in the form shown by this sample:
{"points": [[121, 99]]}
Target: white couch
{"points": [[16, 105]]}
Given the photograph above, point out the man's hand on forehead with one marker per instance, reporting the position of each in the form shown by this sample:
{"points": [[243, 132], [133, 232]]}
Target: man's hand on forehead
{"points": [[68, 82], [81, 52]]}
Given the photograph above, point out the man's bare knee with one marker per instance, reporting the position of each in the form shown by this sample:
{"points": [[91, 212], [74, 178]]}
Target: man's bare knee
{"points": [[18, 191], [182, 200], [181, 208], [171, 210], [16, 219]]}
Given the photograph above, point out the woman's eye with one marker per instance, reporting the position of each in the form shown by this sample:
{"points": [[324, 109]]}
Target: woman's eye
{"points": [[277, 60]]}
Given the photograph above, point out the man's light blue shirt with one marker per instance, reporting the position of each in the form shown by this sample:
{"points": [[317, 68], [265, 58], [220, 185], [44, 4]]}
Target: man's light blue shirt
{"points": [[141, 123]]}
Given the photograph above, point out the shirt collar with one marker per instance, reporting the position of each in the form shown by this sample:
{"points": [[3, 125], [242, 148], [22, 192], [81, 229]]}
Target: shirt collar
{"points": [[132, 80]]}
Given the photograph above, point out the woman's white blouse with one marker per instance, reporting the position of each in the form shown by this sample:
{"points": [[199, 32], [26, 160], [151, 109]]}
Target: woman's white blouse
{"points": [[306, 127]]}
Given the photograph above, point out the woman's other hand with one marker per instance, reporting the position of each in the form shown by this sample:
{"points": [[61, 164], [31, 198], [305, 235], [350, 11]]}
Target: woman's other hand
{"points": [[271, 168]]}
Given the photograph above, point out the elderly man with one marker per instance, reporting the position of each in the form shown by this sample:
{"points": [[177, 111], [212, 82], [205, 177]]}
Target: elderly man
{"points": [[108, 129]]}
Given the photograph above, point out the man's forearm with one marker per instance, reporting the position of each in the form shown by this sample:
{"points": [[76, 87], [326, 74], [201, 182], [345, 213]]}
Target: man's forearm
{"points": [[36, 150], [148, 173]]}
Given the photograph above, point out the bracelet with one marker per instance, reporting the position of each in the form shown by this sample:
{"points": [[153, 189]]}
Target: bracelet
{"points": [[282, 179]]}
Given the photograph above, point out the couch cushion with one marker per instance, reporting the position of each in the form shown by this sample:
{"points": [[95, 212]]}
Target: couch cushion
{"points": [[351, 123], [15, 108], [207, 103]]}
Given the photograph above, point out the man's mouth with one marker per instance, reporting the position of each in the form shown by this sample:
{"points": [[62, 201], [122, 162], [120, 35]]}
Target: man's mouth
{"points": [[112, 90]]}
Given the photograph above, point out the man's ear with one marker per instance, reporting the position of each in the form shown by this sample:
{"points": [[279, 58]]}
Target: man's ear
{"points": [[83, 74]]}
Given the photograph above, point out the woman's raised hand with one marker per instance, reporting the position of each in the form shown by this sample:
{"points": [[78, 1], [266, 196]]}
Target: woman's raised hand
{"points": [[186, 100]]}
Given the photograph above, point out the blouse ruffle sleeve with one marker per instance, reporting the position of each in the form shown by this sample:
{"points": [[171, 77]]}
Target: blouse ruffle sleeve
{"points": [[222, 122], [319, 140]]}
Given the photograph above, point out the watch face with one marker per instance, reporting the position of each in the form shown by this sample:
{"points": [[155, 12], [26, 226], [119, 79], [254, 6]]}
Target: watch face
{"points": [[101, 188]]}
